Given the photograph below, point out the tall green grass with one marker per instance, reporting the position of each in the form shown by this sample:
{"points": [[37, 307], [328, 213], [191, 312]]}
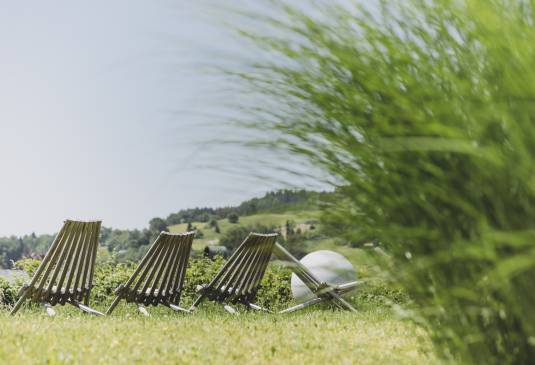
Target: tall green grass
{"points": [[423, 113]]}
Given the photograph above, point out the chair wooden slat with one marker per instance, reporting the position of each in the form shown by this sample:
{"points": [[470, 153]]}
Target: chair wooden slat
{"points": [[65, 266], [178, 277], [57, 280], [250, 263], [157, 279], [52, 251], [51, 261], [153, 269], [230, 267], [252, 286], [252, 267], [156, 284], [149, 266], [84, 248], [163, 288], [76, 266], [228, 284], [92, 259], [167, 282]]}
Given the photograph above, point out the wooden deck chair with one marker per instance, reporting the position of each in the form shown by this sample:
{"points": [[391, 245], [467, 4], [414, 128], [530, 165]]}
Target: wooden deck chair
{"points": [[321, 290], [160, 275], [66, 273], [239, 279]]}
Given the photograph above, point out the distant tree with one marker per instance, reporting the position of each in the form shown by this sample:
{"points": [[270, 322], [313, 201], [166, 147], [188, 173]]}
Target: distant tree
{"points": [[204, 217], [232, 238], [233, 218], [189, 227], [213, 224], [157, 225]]}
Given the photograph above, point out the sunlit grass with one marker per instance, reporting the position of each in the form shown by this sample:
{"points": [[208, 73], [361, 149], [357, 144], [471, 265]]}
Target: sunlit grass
{"points": [[209, 337]]}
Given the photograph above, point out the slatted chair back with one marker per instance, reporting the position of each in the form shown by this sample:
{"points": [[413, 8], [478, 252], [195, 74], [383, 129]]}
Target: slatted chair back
{"points": [[66, 273], [160, 275], [239, 279]]}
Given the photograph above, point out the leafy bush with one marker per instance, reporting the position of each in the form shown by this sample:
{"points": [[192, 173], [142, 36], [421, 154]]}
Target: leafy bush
{"points": [[422, 113], [27, 265], [233, 218], [274, 292], [8, 293], [108, 276]]}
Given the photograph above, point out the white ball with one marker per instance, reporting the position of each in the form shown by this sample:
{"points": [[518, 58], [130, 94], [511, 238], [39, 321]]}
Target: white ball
{"points": [[327, 266]]}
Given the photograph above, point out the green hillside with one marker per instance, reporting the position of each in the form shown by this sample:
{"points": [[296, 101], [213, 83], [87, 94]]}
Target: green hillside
{"points": [[313, 240], [210, 237]]}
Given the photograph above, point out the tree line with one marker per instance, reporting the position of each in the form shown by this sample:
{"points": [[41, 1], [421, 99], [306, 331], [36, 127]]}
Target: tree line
{"points": [[127, 244]]}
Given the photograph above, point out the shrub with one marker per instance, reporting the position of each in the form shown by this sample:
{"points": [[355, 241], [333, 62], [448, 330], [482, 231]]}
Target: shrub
{"points": [[274, 292], [8, 293], [108, 276], [233, 218], [27, 265]]}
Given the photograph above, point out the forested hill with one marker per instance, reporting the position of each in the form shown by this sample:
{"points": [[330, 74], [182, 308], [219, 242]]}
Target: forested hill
{"points": [[273, 202], [135, 241]]}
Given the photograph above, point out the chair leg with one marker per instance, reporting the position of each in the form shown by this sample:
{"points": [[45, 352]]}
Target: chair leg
{"points": [[179, 309], [49, 309], [302, 305], [196, 303], [344, 303], [143, 310], [18, 304], [113, 305], [84, 308], [229, 309], [258, 308]]}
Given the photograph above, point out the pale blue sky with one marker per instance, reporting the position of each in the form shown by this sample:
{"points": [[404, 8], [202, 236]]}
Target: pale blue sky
{"points": [[100, 113]]}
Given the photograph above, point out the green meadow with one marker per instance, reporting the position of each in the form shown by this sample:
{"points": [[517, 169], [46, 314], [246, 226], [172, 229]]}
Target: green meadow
{"points": [[211, 336]]}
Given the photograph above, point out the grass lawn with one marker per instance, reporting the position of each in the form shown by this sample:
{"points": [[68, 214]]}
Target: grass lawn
{"points": [[209, 337]]}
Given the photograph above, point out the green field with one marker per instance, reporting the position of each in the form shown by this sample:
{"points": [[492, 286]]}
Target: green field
{"points": [[208, 337]]}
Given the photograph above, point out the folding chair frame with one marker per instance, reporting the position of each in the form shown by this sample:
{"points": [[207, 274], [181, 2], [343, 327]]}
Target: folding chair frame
{"points": [[160, 275], [239, 279], [66, 273], [321, 290]]}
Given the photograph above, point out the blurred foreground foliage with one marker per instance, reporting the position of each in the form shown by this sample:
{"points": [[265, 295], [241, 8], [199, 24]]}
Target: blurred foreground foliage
{"points": [[423, 113]]}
